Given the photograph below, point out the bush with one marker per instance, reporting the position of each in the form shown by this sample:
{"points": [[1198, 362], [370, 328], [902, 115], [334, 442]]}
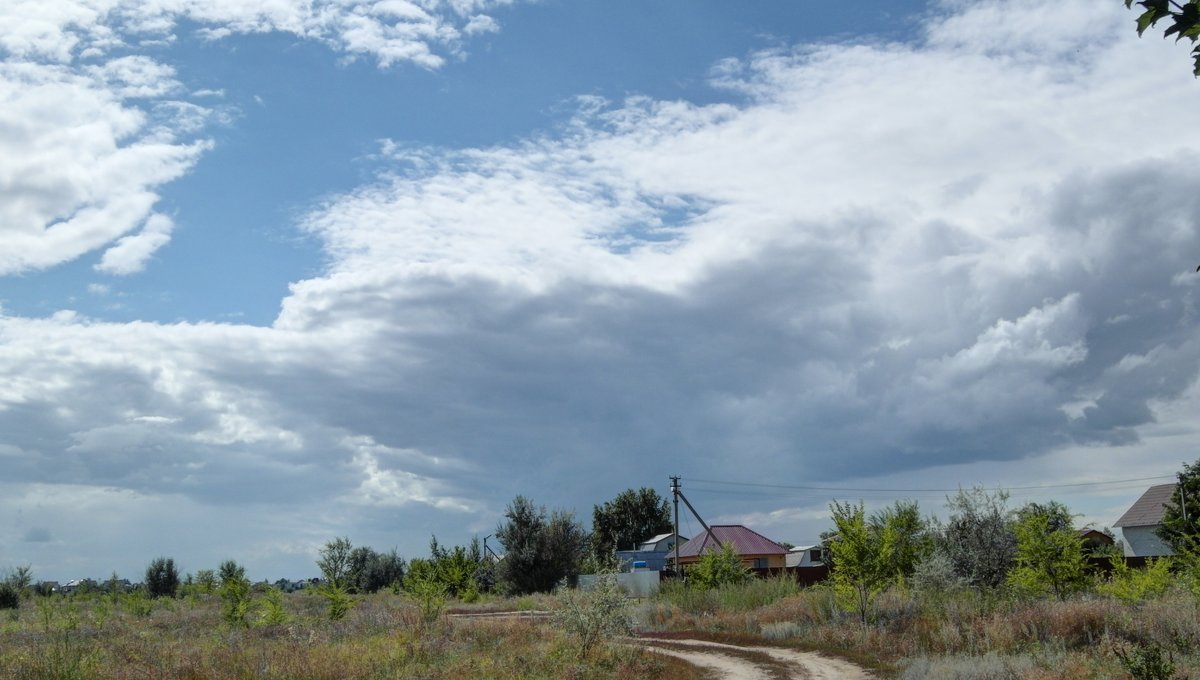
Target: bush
{"points": [[1146, 662], [1134, 585], [339, 601], [162, 579], [235, 600], [717, 568], [271, 611], [10, 597], [594, 615]]}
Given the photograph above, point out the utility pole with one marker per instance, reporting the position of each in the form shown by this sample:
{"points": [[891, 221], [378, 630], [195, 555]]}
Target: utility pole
{"points": [[675, 543], [676, 494]]}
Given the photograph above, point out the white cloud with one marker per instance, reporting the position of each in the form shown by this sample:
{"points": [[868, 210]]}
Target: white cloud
{"points": [[131, 253], [880, 260], [81, 165], [390, 32]]}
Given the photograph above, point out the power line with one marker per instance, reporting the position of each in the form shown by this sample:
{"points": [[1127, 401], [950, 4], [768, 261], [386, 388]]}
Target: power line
{"points": [[829, 489]]}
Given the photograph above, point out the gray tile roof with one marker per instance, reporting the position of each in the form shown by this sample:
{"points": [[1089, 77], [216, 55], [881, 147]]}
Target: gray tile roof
{"points": [[1148, 510]]}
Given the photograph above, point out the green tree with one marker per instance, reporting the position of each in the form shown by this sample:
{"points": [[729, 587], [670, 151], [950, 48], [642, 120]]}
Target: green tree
{"points": [[979, 537], [335, 562], [206, 580], [1049, 554], [912, 540], [631, 517], [230, 570], [162, 578], [862, 555], [716, 568], [540, 549], [382, 571], [1180, 527], [1183, 15]]}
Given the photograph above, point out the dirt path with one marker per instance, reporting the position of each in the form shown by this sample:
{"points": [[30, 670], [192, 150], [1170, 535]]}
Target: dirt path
{"points": [[733, 662], [725, 661]]}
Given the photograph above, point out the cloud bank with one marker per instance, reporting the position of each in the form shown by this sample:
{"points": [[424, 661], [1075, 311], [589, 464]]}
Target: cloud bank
{"points": [[871, 259]]}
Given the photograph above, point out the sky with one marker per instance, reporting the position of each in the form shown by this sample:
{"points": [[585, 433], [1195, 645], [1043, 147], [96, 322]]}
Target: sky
{"points": [[278, 271]]}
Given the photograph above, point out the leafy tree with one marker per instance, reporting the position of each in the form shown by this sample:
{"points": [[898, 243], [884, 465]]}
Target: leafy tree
{"points": [[231, 571], [631, 517], [540, 549], [979, 537], [912, 540], [235, 596], [206, 580], [335, 562], [453, 570], [13, 586], [862, 554], [1049, 554], [162, 578], [381, 571], [21, 578], [717, 568], [1184, 16], [360, 558], [1180, 526]]}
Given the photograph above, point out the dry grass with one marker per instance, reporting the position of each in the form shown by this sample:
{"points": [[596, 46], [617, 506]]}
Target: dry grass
{"points": [[384, 636], [967, 634]]}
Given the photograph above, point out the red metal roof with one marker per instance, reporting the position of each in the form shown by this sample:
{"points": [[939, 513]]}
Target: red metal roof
{"points": [[745, 542]]}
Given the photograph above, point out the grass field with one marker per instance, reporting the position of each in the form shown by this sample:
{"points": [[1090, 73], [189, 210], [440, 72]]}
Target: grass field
{"points": [[964, 635]]}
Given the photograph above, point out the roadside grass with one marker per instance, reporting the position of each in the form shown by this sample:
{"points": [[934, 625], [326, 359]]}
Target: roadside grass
{"points": [[382, 636], [962, 634], [965, 634]]}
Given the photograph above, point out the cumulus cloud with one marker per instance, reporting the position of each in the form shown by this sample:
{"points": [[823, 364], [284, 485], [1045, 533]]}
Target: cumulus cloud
{"points": [[390, 32], [79, 164], [874, 259], [131, 253]]}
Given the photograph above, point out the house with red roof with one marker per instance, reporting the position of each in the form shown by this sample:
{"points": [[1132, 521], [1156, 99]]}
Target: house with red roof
{"points": [[757, 551]]}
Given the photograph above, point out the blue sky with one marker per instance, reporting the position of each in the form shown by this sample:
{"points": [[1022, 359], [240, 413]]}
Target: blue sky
{"points": [[278, 272]]}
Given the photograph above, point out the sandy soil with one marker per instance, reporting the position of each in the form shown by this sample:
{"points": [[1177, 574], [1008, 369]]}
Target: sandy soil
{"points": [[756, 663]]}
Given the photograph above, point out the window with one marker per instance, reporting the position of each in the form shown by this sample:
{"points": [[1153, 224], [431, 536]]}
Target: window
{"points": [[760, 563], [814, 555]]}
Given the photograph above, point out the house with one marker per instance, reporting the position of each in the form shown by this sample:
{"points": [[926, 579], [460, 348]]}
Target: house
{"points": [[651, 554], [757, 551], [1094, 540], [805, 556], [1139, 522], [806, 564], [660, 543]]}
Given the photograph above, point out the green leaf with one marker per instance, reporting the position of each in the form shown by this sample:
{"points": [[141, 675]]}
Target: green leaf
{"points": [[1149, 18]]}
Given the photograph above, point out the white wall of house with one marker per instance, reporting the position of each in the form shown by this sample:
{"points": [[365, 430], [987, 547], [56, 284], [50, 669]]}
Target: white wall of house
{"points": [[1141, 542]]}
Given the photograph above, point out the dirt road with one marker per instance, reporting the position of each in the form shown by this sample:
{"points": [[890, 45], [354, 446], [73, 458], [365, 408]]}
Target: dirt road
{"points": [[733, 662]]}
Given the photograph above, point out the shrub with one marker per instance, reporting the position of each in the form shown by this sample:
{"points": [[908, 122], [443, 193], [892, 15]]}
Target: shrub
{"points": [[271, 611], [339, 601], [235, 600], [594, 615], [206, 581], [1146, 662], [717, 568], [10, 597], [1134, 585]]}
